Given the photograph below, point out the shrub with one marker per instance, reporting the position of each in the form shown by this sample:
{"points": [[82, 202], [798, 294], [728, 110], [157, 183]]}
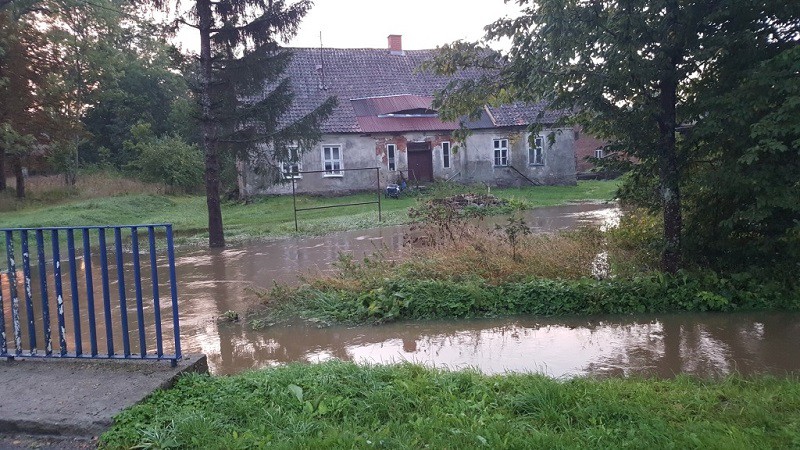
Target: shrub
{"points": [[166, 159], [635, 245]]}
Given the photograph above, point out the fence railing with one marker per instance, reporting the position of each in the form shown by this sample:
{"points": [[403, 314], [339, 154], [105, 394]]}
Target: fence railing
{"points": [[93, 255]]}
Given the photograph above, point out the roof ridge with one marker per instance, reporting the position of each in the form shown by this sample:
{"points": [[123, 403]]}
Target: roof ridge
{"points": [[389, 95], [357, 48]]}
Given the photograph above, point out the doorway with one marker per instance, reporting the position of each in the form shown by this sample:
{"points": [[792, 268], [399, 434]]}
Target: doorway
{"points": [[420, 161]]}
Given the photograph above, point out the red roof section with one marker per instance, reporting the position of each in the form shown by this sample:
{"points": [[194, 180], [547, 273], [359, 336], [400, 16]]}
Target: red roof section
{"points": [[369, 110]]}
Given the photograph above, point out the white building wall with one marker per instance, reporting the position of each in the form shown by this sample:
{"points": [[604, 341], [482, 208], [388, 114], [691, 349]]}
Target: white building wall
{"points": [[471, 162]]}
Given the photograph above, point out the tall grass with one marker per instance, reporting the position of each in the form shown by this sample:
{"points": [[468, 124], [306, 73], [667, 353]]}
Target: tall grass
{"points": [[45, 190], [342, 405]]}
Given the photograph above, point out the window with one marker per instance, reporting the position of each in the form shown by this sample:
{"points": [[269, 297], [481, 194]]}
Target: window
{"points": [[501, 152], [332, 160], [536, 152], [598, 153], [291, 166], [391, 151], [446, 155]]}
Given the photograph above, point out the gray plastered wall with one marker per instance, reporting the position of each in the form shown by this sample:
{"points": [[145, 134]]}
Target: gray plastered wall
{"points": [[470, 162]]}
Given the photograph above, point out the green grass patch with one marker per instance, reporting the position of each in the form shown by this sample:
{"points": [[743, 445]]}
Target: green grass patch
{"points": [[269, 216], [343, 405], [412, 299]]}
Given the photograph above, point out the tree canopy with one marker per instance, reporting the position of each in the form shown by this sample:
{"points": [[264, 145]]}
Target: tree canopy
{"points": [[633, 72]]}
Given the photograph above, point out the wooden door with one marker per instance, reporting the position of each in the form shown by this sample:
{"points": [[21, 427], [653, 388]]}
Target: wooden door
{"points": [[420, 161]]}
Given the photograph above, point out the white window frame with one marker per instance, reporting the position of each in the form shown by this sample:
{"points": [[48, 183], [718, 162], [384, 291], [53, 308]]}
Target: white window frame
{"points": [[500, 152], [536, 151], [446, 155], [599, 153], [391, 158], [297, 161], [333, 172]]}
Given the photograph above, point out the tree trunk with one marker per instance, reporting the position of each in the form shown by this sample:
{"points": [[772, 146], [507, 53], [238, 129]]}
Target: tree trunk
{"points": [[3, 184], [16, 165], [669, 172], [216, 237]]}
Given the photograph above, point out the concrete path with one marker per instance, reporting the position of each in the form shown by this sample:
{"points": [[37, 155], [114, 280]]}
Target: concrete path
{"points": [[72, 398]]}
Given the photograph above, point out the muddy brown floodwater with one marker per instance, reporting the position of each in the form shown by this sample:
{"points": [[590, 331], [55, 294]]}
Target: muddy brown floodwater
{"points": [[213, 282]]}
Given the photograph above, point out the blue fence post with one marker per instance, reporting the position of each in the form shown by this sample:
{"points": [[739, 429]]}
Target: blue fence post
{"points": [[48, 343], [26, 284], [173, 283], [123, 301], [137, 279], [3, 341], [89, 276], [62, 340], [12, 288], [151, 237], [106, 293], [73, 282]]}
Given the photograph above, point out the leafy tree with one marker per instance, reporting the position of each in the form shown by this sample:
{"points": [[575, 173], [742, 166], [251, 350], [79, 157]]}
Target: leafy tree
{"points": [[86, 36], [628, 69], [142, 87], [24, 116], [745, 162], [239, 59]]}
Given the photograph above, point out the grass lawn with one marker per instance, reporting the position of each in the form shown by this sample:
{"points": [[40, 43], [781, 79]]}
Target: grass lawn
{"points": [[342, 405], [265, 217]]}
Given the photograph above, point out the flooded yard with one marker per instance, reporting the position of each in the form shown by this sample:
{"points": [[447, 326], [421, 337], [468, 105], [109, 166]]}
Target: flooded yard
{"points": [[213, 282]]}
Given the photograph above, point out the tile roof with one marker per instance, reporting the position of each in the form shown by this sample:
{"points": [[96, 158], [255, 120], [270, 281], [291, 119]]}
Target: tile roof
{"points": [[361, 74]]}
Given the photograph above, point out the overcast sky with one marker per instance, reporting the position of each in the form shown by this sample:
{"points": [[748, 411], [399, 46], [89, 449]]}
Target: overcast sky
{"points": [[423, 23], [366, 23]]}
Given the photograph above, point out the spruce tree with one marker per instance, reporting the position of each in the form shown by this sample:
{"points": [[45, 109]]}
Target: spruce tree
{"points": [[242, 92]]}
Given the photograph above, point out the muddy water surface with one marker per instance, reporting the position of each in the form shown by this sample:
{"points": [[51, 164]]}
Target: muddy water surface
{"points": [[703, 344], [214, 282]]}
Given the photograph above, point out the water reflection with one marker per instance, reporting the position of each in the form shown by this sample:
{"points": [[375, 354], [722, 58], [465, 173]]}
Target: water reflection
{"points": [[700, 344]]}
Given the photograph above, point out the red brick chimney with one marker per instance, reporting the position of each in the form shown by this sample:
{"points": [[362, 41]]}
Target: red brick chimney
{"points": [[396, 44]]}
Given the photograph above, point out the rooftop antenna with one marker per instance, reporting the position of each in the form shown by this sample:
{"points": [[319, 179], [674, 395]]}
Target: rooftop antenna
{"points": [[322, 64]]}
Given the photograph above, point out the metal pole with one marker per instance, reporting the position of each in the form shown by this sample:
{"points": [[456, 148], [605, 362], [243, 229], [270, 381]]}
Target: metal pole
{"points": [[294, 206], [378, 176], [123, 300], [173, 287], [26, 283], [12, 287], [106, 291], [48, 343], [151, 238]]}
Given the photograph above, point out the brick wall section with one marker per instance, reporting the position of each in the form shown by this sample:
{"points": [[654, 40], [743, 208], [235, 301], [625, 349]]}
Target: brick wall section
{"points": [[585, 146], [381, 142], [402, 144]]}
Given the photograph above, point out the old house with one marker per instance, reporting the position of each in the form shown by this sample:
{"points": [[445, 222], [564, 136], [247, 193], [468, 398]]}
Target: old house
{"points": [[384, 119]]}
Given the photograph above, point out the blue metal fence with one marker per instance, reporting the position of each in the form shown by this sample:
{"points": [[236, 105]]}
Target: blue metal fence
{"points": [[87, 252]]}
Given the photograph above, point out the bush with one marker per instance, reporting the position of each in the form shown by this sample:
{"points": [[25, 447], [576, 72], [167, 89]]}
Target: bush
{"points": [[165, 159], [635, 245]]}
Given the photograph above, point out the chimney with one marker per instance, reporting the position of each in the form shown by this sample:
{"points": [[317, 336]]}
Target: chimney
{"points": [[396, 44]]}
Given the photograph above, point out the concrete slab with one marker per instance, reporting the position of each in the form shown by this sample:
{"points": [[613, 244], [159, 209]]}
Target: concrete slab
{"points": [[79, 398]]}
